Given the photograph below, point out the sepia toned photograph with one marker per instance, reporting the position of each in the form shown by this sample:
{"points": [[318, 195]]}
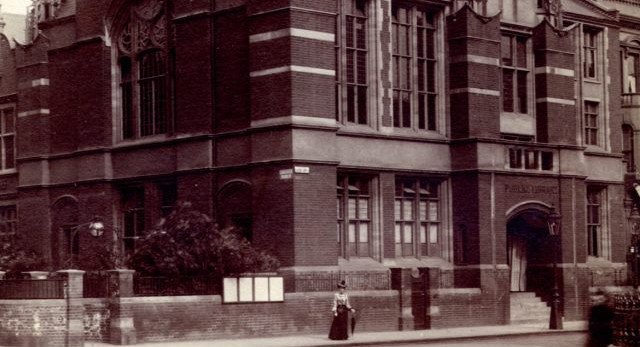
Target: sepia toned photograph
{"points": [[317, 173]]}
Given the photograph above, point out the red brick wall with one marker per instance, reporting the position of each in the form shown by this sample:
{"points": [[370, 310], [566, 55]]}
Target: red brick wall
{"points": [[614, 89], [314, 198], [465, 214], [473, 114], [32, 322], [273, 212], [193, 75], [232, 99], [189, 318]]}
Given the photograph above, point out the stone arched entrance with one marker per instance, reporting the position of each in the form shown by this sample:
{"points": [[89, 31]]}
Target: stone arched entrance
{"points": [[529, 247]]}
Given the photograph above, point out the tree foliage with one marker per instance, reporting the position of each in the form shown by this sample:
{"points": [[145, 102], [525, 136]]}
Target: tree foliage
{"points": [[14, 258], [188, 243]]}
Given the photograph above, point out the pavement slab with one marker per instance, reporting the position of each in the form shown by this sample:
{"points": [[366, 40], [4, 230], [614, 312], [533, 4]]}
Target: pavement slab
{"points": [[371, 338]]}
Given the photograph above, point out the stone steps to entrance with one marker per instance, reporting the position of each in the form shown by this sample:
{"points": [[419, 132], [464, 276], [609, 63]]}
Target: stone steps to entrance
{"points": [[527, 308]]}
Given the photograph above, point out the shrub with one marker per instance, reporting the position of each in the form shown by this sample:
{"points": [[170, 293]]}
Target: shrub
{"points": [[188, 244]]}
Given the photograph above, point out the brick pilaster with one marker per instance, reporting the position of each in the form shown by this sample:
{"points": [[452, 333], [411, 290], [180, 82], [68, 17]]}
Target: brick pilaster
{"points": [[121, 328], [292, 47], [75, 308], [554, 71], [401, 281], [474, 52]]}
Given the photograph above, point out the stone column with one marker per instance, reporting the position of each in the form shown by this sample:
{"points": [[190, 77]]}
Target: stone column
{"points": [[121, 329], [75, 308]]}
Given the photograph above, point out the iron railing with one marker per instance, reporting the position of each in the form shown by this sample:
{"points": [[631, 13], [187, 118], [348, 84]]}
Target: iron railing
{"points": [[169, 286], [32, 289], [327, 281], [95, 285], [626, 322]]}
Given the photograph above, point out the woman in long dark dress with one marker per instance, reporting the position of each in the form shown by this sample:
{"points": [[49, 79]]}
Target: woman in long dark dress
{"points": [[341, 307]]}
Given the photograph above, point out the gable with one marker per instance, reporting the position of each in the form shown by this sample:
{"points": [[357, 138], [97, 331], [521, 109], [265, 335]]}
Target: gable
{"points": [[589, 8]]}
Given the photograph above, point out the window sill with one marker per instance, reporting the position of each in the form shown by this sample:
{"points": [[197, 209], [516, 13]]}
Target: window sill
{"points": [[143, 140], [8, 172], [594, 149], [389, 132], [591, 80]]}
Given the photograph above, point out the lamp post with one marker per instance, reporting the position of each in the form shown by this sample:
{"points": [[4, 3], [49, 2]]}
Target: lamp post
{"points": [[96, 228], [553, 222], [633, 253]]}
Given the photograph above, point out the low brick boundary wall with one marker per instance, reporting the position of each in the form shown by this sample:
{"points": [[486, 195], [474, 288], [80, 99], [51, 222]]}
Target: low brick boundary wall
{"points": [[33, 323], [205, 317]]}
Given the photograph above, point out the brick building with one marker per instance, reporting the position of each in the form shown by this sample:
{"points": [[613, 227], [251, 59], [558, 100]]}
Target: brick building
{"points": [[342, 135]]}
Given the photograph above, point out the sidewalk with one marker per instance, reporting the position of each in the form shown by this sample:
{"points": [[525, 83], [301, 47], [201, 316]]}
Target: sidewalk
{"points": [[369, 338]]}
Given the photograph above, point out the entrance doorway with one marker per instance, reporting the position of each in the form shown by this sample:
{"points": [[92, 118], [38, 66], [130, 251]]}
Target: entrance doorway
{"points": [[528, 248]]}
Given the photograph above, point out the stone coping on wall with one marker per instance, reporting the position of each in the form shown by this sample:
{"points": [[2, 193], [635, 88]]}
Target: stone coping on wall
{"points": [[35, 302], [457, 291], [217, 299]]}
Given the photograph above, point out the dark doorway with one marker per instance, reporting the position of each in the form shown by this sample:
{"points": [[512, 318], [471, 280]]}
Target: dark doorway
{"points": [[528, 249]]}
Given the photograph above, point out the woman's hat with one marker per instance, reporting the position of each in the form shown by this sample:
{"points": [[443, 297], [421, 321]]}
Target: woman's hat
{"points": [[342, 284]]}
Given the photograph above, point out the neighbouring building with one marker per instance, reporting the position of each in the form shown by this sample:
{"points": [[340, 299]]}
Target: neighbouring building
{"points": [[424, 140]]}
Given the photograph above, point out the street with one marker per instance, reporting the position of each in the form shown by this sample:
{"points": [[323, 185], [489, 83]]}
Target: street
{"points": [[555, 340]]}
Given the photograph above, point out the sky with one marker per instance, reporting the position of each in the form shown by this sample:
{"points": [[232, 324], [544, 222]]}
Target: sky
{"points": [[15, 6]]}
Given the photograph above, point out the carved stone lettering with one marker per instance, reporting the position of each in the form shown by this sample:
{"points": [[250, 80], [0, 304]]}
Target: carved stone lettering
{"points": [[530, 189]]}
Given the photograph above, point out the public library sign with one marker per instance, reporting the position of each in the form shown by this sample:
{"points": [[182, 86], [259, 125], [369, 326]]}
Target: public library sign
{"points": [[530, 189]]}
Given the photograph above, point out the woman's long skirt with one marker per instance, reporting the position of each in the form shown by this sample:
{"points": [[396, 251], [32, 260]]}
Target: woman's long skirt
{"points": [[340, 325]]}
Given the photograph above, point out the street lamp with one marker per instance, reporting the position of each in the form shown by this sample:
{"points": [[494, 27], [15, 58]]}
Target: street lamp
{"points": [[96, 228], [553, 222]]}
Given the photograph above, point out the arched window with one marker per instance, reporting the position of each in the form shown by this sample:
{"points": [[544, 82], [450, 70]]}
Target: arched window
{"points": [[145, 79], [627, 147]]}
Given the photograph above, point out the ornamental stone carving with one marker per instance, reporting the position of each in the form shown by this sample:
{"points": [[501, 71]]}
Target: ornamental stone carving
{"points": [[146, 27]]}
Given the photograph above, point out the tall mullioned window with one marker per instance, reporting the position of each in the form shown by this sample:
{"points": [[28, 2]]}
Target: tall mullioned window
{"points": [[590, 52], [417, 216], [133, 216], [145, 61], [354, 215], [414, 66], [594, 221], [591, 123], [632, 74], [7, 138], [8, 222], [352, 49], [515, 73]]}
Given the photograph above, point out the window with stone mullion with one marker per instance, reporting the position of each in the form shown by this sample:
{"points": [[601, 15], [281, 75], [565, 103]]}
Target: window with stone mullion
{"points": [[152, 93], [632, 80], [354, 216], [402, 25], [515, 73], [353, 107], [594, 221], [426, 58], [590, 52], [414, 67], [145, 59], [8, 222], [591, 123], [7, 138]]}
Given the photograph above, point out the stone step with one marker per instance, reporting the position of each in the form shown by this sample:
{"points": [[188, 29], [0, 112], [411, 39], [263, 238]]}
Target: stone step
{"points": [[527, 308]]}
